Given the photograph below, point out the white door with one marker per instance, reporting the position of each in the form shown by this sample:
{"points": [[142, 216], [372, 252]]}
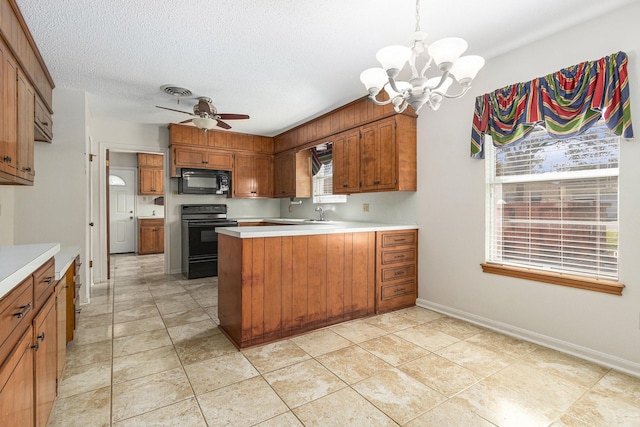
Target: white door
{"points": [[122, 210]]}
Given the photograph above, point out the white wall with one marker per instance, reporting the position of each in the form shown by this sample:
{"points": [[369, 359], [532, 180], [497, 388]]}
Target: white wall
{"points": [[55, 208], [389, 207], [451, 206], [6, 215]]}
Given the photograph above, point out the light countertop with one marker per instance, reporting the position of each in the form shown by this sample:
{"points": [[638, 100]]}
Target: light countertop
{"points": [[64, 258], [19, 261], [301, 227]]}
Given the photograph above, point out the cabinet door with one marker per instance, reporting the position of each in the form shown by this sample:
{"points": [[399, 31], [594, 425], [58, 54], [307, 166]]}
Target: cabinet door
{"points": [[26, 111], [8, 111], [243, 176], [378, 156], [45, 361], [160, 239], [346, 168], [150, 160], [184, 157], [16, 385], [284, 169], [61, 326], [219, 160], [150, 181], [263, 171], [188, 135], [147, 240]]}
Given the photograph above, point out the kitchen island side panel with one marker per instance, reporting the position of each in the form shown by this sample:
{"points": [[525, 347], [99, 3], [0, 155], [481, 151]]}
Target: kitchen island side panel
{"points": [[230, 286]]}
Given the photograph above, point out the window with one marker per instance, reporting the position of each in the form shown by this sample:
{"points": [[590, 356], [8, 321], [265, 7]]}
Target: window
{"points": [[552, 205], [323, 186]]}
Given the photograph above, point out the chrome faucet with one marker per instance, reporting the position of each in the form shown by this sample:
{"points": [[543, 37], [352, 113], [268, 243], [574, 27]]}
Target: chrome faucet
{"points": [[321, 210]]}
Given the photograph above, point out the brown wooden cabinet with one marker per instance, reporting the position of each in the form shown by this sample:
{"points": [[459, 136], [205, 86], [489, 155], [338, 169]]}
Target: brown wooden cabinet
{"points": [[252, 176], [150, 174], [346, 162], [43, 122], [292, 174], [274, 287], [396, 269], [45, 360], [72, 294], [17, 384], [151, 236], [378, 156], [8, 113], [25, 168], [199, 158], [61, 326]]}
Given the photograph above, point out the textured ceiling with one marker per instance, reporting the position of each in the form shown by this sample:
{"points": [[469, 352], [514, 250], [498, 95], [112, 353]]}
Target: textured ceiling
{"points": [[280, 61]]}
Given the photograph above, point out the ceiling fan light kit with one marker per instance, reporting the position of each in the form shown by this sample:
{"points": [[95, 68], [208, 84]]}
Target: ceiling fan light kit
{"points": [[205, 115], [444, 54]]}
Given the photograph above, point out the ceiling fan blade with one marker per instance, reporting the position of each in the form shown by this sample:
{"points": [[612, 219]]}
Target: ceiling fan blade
{"points": [[233, 116], [186, 121], [178, 111], [223, 125]]}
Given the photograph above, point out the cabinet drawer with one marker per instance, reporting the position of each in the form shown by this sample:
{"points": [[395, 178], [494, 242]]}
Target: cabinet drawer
{"points": [[43, 283], [397, 273], [16, 312], [393, 257], [152, 222], [398, 290], [398, 239]]}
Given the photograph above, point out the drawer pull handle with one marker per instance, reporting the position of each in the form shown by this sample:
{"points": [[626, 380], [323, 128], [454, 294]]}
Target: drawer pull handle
{"points": [[399, 273], [36, 346], [400, 240], [41, 337], [49, 279], [22, 311], [399, 290], [398, 257]]}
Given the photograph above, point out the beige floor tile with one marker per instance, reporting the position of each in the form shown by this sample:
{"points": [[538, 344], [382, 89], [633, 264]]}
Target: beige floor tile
{"points": [[213, 313], [358, 331], [566, 366], [321, 342], [269, 357], [102, 299], [167, 306], [283, 420], [393, 349], [621, 385], [303, 382], [80, 379], [420, 314], [78, 355], [185, 413], [128, 305], [427, 337], [553, 392], [88, 310], [199, 349], [191, 331], [212, 374], [184, 317], [145, 394], [84, 336], [92, 408], [137, 313], [398, 395], [505, 407], [242, 404], [455, 327], [131, 295], [453, 412], [392, 322], [342, 408], [440, 374], [502, 343], [352, 364], [477, 359], [132, 344], [166, 289], [144, 363], [597, 409], [136, 327]]}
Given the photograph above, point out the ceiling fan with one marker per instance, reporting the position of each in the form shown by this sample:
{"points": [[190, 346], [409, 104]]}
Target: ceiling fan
{"points": [[205, 115]]}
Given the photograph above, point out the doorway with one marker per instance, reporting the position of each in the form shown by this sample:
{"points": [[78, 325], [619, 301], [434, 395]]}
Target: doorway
{"points": [[122, 210]]}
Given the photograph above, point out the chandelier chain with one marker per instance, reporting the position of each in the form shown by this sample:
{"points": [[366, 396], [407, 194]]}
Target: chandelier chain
{"points": [[417, 15]]}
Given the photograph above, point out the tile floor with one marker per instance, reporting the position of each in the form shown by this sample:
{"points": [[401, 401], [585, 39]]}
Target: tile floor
{"points": [[148, 353]]}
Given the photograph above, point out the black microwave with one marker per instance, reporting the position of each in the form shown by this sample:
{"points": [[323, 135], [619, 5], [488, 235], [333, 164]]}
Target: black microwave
{"points": [[204, 181]]}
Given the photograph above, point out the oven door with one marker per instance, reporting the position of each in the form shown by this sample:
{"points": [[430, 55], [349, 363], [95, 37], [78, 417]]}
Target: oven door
{"points": [[203, 239]]}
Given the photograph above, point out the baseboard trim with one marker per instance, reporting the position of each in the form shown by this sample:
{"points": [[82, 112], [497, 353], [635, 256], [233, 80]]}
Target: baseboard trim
{"points": [[600, 358]]}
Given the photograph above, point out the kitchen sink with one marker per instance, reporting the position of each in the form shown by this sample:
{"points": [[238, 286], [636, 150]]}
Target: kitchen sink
{"points": [[321, 221]]}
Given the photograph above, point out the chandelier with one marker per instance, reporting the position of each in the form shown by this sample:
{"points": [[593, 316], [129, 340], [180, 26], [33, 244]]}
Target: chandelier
{"points": [[421, 89]]}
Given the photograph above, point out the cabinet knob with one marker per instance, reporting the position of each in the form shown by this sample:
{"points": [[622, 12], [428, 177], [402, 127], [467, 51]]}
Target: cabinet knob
{"points": [[7, 159], [22, 311], [345, 185], [36, 346], [376, 182], [40, 337]]}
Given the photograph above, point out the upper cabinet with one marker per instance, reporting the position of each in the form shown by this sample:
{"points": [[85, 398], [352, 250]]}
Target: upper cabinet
{"points": [[150, 174], [26, 98], [346, 162], [292, 174], [252, 176]]}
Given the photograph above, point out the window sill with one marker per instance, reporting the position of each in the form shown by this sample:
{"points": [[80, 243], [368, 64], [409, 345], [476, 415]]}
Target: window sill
{"points": [[597, 285]]}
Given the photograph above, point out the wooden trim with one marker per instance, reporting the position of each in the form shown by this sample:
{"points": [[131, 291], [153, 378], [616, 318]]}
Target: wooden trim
{"points": [[573, 281]]}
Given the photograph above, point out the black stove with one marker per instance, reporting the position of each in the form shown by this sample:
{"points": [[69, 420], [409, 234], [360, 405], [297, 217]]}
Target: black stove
{"points": [[200, 240]]}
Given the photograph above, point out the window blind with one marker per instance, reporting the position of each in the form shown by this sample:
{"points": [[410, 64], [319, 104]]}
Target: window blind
{"points": [[553, 204]]}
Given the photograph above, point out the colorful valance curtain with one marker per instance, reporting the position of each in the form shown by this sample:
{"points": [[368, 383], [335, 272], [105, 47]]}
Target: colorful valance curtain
{"points": [[320, 157], [566, 103]]}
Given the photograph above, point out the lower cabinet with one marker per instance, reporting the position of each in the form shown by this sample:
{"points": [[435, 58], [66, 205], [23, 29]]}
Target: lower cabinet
{"points": [[17, 384], [396, 269], [151, 237], [61, 326], [45, 360]]}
